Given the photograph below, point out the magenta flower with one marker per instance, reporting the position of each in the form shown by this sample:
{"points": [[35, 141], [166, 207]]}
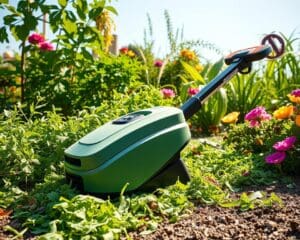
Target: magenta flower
{"points": [[256, 115], [296, 93], [36, 38], [158, 63], [254, 123], [46, 46], [167, 93], [193, 91], [275, 158], [285, 144]]}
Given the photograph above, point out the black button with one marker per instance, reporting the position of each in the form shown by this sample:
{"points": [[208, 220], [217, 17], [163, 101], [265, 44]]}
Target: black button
{"points": [[127, 118]]}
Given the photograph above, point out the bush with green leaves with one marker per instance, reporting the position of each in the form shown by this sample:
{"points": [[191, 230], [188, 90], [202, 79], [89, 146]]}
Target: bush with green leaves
{"points": [[88, 84], [261, 141], [47, 70]]}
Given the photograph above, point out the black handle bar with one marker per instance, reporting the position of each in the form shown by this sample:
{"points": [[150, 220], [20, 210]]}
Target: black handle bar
{"points": [[237, 61]]}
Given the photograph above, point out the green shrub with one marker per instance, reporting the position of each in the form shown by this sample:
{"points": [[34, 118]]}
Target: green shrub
{"points": [[88, 83]]}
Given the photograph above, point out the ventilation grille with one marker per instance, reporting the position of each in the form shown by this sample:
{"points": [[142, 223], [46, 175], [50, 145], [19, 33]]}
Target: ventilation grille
{"points": [[73, 161]]}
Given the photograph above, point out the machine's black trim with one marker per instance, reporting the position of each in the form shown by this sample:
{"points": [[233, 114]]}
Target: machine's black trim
{"points": [[174, 170], [73, 161], [75, 181]]}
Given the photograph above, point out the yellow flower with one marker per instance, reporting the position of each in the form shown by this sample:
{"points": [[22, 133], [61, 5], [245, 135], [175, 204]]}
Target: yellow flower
{"points": [[190, 55], [297, 120], [130, 53], [231, 117], [105, 24], [284, 112], [18, 80], [294, 98], [199, 67]]}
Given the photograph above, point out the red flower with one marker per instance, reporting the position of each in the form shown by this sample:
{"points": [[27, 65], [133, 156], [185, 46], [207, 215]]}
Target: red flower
{"points": [[46, 46], [36, 38], [158, 63], [124, 50], [193, 91]]}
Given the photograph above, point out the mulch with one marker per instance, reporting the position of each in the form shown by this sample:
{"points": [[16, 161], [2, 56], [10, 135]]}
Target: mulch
{"points": [[213, 222]]}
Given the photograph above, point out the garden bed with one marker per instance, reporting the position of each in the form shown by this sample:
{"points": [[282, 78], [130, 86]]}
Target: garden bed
{"points": [[213, 222]]}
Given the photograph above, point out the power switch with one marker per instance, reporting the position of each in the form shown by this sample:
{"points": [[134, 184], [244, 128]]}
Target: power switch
{"points": [[128, 118]]}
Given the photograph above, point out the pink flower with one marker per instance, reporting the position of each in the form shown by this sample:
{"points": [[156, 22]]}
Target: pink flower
{"points": [[158, 63], [286, 144], [193, 91], [256, 115], [275, 158], [46, 46], [254, 123], [167, 93], [296, 93], [36, 38]]}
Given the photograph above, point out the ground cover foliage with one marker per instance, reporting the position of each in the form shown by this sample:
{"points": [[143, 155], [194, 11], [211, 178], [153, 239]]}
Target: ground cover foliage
{"points": [[33, 185]]}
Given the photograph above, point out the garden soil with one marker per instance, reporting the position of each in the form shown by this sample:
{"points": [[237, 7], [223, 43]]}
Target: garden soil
{"points": [[213, 222]]}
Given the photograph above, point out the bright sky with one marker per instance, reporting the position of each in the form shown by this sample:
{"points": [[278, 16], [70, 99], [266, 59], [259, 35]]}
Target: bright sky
{"points": [[230, 24]]}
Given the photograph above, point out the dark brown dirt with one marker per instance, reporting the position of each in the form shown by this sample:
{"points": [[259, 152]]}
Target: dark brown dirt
{"points": [[213, 222]]}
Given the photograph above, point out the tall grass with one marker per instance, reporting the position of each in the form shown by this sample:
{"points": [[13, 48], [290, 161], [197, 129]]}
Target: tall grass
{"points": [[270, 84], [283, 74]]}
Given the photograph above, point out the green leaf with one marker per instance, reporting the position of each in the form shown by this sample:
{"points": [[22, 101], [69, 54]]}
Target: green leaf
{"points": [[81, 7], [111, 9], [3, 1], [3, 35], [69, 26], [12, 9], [52, 236], [30, 23], [9, 19], [95, 12], [214, 70], [63, 3], [19, 32], [192, 72]]}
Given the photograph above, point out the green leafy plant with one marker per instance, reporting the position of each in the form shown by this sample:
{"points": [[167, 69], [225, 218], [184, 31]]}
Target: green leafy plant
{"points": [[282, 75], [209, 117], [245, 92], [77, 40]]}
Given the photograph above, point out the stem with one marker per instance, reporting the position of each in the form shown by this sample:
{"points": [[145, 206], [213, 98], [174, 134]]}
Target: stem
{"points": [[22, 71]]}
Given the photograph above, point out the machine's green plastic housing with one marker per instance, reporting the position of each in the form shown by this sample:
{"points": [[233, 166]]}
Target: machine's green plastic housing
{"points": [[130, 150]]}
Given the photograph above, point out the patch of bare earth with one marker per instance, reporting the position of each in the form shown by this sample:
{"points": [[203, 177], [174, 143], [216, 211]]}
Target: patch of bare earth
{"points": [[213, 222]]}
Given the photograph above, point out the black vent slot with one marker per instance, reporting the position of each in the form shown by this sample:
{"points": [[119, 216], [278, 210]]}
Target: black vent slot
{"points": [[73, 161], [75, 181]]}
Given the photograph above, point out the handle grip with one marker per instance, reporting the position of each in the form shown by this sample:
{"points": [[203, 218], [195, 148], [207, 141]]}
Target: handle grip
{"points": [[249, 55]]}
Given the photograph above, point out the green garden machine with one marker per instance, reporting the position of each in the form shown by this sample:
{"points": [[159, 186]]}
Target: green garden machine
{"points": [[142, 149]]}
